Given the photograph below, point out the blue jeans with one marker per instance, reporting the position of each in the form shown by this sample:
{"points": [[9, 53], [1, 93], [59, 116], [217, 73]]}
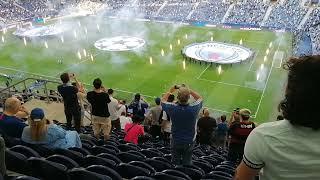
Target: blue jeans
{"points": [[182, 153]]}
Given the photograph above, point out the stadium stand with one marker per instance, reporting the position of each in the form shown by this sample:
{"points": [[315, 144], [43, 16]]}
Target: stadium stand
{"points": [[151, 158]]}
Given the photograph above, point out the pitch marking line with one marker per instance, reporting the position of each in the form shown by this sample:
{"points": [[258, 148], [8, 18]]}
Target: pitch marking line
{"points": [[254, 60], [203, 72], [265, 87], [229, 84]]}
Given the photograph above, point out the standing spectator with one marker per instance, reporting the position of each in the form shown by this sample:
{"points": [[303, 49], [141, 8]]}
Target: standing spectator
{"points": [[206, 128], [72, 107], [99, 99], [138, 105], [221, 133], [11, 125], [122, 107], [3, 169], [166, 122], [81, 96], [154, 118], [134, 130], [124, 120], [183, 116], [43, 131], [239, 132], [289, 149], [113, 107]]}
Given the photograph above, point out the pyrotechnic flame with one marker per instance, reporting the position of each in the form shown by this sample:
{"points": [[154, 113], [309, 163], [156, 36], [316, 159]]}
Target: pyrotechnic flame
{"points": [[162, 52], [150, 59]]}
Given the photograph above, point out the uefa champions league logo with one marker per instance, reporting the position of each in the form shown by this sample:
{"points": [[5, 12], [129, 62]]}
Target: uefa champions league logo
{"points": [[119, 43]]}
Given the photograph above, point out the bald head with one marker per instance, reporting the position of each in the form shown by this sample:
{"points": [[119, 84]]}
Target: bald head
{"points": [[12, 105], [183, 95]]}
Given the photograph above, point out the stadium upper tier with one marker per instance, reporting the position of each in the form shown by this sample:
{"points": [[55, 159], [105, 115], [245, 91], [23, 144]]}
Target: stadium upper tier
{"points": [[288, 14]]}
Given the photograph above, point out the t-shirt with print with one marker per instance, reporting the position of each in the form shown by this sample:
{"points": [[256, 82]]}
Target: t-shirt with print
{"points": [[283, 151]]}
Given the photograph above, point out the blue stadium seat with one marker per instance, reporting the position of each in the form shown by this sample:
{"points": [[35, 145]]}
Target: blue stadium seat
{"points": [[162, 159], [76, 156], [165, 150], [163, 176], [25, 178], [41, 150], [209, 159], [47, 170], [159, 165], [111, 147], [226, 169], [194, 174], [16, 162], [142, 178], [128, 157], [168, 157], [104, 171], [27, 151], [130, 171], [143, 165], [95, 150], [150, 154], [128, 147], [138, 153], [221, 173], [83, 151], [68, 162], [82, 174], [176, 173], [95, 160], [111, 157], [206, 167]]}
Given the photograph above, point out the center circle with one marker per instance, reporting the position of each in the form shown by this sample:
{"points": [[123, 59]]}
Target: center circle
{"points": [[119, 43], [218, 52]]}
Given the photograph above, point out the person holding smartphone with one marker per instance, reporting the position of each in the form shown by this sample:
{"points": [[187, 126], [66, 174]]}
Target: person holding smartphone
{"points": [[72, 108]]}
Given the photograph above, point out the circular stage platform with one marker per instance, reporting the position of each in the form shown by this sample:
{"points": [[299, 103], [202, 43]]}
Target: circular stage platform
{"points": [[39, 31], [217, 52], [119, 43]]}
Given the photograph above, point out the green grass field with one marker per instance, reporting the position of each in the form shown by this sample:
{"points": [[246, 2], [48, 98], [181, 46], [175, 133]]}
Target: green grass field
{"points": [[130, 72]]}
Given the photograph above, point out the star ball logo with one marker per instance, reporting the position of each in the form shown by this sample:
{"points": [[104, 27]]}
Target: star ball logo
{"points": [[119, 43]]}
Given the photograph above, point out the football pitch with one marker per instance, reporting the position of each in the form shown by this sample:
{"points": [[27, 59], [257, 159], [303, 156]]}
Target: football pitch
{"points": [[256, 84]]}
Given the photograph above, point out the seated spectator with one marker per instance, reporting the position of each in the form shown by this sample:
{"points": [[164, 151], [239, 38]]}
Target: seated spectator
{"points": [[221, 132], [289, 149], [3, 169], [239, 131], [154, 118], [138, 105], [134, 130], [42, 131], [206, 128], [11, 125], [166, 123], [124, 120]]}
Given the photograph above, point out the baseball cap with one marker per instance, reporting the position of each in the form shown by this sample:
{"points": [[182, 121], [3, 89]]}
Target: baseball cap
{"points": [[245, 112], [37, 114]]}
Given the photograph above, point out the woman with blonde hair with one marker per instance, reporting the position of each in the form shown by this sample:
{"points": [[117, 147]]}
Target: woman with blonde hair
{"points": [[42, 131]]}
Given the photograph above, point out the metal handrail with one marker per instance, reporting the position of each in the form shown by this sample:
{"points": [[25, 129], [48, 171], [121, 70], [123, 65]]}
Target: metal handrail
{"points": [[47, 95]]}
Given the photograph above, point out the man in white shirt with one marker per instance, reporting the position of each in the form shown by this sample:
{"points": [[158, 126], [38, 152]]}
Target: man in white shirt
{"points": [[124, 120], [113, 107]]}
